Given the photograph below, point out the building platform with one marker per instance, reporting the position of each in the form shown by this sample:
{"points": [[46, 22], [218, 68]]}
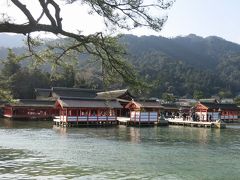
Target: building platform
{"points": [[181, 122], [128, 122]]}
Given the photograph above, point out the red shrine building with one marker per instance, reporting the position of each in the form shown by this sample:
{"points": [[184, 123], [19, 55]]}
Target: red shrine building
{"points": [[43, 107], [76, 111], [212, 111], [70, 103], [144, 111], [31, 109]]}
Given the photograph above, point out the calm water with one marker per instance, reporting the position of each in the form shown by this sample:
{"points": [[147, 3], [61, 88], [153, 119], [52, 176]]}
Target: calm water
{"points": [[40, 151]]}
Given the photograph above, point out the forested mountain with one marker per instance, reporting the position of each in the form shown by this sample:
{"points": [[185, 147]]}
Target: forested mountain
{"points": [[183, 66], [187, 65], [11, 41]]}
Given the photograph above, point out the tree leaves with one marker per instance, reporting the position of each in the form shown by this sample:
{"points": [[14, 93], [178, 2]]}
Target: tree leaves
{"points": [[123, 14]]}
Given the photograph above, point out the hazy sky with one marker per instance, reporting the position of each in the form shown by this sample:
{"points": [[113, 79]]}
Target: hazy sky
{"points": [[205, 18], [201, 17]]}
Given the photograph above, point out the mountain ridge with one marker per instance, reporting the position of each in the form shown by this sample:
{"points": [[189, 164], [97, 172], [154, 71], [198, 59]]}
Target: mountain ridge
{"points": [[11, 41], [180, 65]]}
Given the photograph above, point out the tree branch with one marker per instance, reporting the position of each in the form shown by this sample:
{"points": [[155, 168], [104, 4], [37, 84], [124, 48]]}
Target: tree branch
{"points": [[47, 12], [125, 14], [57, 13], [23, 8]]}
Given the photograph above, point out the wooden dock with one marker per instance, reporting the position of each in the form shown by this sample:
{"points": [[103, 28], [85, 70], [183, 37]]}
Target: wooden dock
{"points": [[123, 120], [204, 124], [74, 121], [126, 121]]}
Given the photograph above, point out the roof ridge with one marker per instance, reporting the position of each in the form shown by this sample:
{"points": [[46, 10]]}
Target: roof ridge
{"points": [[112, 91], [83, 98], [32, 99], [74, 89], [49, 89]]}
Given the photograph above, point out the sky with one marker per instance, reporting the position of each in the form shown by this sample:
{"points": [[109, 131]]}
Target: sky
{"points": [[204, 18], [201, 17]]}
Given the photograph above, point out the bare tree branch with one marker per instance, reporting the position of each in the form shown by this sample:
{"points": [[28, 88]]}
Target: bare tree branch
{"points": [[47, 12], [24, 9], [57, 12]]}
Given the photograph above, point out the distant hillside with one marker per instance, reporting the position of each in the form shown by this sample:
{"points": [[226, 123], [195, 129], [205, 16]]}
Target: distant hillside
{"points": [[193, 50], [184, 65], [11, 41], [181, 65]]}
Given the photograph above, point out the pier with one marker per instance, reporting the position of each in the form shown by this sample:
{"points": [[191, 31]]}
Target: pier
{"points": [[190, 123], [128, 122], [85, 121], [139, 119]]}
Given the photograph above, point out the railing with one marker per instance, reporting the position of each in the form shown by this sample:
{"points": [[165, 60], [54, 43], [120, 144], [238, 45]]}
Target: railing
{"points": [[144, 116], [230, 117], [85, 118]]}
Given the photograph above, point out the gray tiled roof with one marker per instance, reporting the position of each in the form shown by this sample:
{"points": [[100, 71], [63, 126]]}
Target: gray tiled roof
{"points": [[42, 93], [2, 103], [73, 92], [88, 103], [33, 103], [149, 104], [115, 94], [222, 106], [169, 106]]}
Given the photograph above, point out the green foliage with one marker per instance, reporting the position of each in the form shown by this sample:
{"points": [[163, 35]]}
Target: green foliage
{"points": [[224, 94], [115, 13], [168, 97], [18, 82], [24, 82], [5, 95], [129, 14], [185, 65], [237, 100], [11, 64], [152, 67], [198, 95]]}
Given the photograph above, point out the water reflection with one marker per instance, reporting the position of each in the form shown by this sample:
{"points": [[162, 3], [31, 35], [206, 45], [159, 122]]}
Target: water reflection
{"points": [[174, 135], [9, 123], [134, 135], [39, 150], [60, 130], [24, 165]]}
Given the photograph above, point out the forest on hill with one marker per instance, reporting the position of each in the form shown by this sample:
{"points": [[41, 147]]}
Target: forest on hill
{"points": [[188, 67]]}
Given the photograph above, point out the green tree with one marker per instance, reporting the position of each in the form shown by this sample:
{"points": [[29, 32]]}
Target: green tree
{"points": [[237, 100], [19, 82], [197, 94], [24, 82], [224, 94], [168, 97], [117, 14], [11, 66]]}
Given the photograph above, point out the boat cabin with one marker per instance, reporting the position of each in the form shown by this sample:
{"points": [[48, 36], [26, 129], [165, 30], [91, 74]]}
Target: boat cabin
{"points": [[76, 111]]}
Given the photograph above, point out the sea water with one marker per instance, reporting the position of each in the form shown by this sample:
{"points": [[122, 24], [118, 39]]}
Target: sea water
{"points": [[39, 150]]}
